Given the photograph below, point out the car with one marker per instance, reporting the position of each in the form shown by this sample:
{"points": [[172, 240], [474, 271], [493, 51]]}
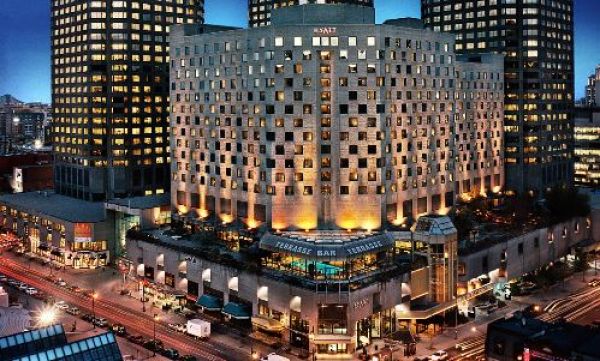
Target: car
{"points": [[13, 282], [23, 286], [440, 355], [61, 305], [188, 358], [87, 317], [87, 292], [31, 291], [594, 282], [170, 353], [152, 345], [73, 311], [39, 295], [118, 329], [179, 327], [100, 322], [137, 339], [3, 278], [61, 282]]}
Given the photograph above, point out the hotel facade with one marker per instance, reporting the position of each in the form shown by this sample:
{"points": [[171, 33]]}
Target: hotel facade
{"points": [[311, 125]]}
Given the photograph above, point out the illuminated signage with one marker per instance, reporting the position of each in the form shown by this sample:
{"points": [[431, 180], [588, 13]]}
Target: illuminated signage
{"points": [[83, 232], [360, 303], [364, 247], [326, 253], [293, 248], [328, 30]]}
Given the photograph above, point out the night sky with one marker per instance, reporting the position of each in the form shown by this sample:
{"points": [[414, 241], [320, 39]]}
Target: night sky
{"points": [[25, 39]]}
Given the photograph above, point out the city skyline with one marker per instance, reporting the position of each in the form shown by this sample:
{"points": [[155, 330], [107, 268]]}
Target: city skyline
{"points": [[25, 49], [329, 182]]}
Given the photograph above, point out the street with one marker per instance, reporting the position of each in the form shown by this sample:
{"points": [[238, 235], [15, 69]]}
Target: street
{"points": [[571, 307], [575, 302], [135, 321]]}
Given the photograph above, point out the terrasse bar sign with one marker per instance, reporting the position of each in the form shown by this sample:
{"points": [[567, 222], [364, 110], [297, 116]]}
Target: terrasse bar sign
{"points": [[83, 232], [328, 30], [366, 247], [293, 248]]}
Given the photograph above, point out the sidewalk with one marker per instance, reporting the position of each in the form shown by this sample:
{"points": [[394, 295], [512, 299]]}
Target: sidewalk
{"points": [[447, 339]]}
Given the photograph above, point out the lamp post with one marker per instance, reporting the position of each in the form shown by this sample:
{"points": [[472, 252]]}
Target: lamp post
{"points": [[143, 299], [253, 354], [94, 297], [154, 319], [312, 346], [47, 317]]}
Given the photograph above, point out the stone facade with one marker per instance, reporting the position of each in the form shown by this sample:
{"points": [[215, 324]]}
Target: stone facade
{"points": [[309, 124]]}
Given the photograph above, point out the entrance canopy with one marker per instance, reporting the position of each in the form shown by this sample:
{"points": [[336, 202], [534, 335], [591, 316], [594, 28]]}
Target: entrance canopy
{"points": [[267, 324], [209, 303], [326, 246], [236, 310]]}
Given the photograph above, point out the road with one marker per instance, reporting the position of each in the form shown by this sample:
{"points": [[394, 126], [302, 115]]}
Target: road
{"points": [[136, 322], [569, 308]]}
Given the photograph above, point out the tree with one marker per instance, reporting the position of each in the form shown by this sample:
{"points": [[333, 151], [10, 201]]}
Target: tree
{"points": [[565, 203]]}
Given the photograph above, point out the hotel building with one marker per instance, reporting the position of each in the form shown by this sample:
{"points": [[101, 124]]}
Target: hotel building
{"points": [[309, 124], [536, 39], [302, 152], [110, 95]]}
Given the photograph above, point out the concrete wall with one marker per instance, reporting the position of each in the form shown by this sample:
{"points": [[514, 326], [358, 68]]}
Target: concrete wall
{"points": [[553, 243]]}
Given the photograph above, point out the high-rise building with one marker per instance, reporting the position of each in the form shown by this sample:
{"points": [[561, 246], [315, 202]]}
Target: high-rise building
{"points": [[259, 11], [536, 38], [592, 89], [587, 146], [110, 94]]}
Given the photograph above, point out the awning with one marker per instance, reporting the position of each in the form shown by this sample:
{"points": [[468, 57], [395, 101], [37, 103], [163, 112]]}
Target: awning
{"points": [[267, 324], [237, 311], [209, 303]]}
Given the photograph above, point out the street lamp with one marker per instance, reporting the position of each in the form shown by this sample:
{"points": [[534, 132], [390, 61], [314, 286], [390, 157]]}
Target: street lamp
{"points": [[94, 297], [47, 317], [154, 319], [143, 298], [475, 330]]}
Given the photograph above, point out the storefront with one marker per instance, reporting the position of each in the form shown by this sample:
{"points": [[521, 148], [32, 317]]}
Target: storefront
{"points": [[88, 259], [77, 234]]}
